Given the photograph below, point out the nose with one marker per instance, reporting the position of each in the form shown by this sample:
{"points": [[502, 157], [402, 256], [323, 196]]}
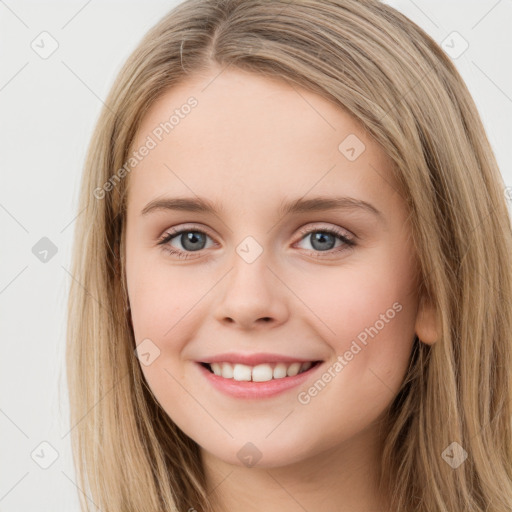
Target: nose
{"points": [[253, 296]]}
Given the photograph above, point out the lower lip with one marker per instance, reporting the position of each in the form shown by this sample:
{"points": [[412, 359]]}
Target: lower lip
{"points": [[250, 389]]}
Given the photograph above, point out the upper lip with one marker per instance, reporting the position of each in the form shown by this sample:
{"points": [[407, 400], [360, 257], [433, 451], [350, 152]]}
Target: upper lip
{"points": [[255, 359]]}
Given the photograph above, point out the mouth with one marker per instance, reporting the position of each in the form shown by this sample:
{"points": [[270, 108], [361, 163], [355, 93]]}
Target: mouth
{"points": [[264, 372]]}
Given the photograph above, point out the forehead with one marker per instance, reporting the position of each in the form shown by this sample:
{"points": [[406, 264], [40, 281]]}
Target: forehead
{"points": [[236, 136]]}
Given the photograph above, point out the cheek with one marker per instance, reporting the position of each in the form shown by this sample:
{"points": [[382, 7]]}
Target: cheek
{"points": [[349, 301], [372, 316], [160, 297], [163, 317], [366, 314]]}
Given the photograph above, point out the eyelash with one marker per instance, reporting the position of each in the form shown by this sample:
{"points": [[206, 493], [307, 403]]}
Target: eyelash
{"points": [[164, 241]]}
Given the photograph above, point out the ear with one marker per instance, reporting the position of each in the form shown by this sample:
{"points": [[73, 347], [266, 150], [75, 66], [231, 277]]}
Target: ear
{"points": [[426, 326]]}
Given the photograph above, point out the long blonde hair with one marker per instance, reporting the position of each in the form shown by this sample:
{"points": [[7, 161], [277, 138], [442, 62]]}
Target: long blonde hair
{"points": [[389, 74]]}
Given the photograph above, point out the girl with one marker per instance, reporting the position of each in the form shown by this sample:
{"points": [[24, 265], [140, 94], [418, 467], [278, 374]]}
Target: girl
{"points": [[273, 370]]}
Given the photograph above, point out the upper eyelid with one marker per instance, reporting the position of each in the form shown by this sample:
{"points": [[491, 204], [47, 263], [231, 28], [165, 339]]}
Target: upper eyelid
{"points": [[184, 227]]}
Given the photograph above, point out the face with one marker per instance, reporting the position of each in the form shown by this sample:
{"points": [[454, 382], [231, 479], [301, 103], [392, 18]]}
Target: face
{"points": [[228, 305]]}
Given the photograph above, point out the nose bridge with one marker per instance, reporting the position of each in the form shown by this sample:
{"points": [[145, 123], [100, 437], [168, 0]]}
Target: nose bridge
{"points": [[250, 277], [252, 292]]}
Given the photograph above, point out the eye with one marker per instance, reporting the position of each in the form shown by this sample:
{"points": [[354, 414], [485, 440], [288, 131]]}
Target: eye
{"points": [[323, 240], [191, 240]]}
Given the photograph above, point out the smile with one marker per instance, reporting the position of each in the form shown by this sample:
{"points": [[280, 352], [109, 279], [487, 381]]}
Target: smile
{"points": [[257, 376], [258, 373]]}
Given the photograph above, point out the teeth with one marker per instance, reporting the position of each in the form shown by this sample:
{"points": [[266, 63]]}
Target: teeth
{"points": [[216, 368], [306, 366], [260, 372], [241, 372], [227, 370], [293, 369], [280, 371]]}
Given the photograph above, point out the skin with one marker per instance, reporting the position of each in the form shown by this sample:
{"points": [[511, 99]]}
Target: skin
{"points": [[249, 144]]}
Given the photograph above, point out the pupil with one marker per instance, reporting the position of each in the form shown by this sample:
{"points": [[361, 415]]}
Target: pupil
{"points": [[320, 239], [192, 237]]}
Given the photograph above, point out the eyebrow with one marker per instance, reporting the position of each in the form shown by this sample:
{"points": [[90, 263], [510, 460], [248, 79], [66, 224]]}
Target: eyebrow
{"points": [[316, 204]]}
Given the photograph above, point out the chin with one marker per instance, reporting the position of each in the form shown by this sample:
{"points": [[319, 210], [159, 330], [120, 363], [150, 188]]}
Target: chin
{"points": [[261, 453]]}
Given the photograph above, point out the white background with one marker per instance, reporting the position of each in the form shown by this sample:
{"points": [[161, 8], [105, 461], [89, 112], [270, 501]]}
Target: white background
{"points": [[48, 111]]}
